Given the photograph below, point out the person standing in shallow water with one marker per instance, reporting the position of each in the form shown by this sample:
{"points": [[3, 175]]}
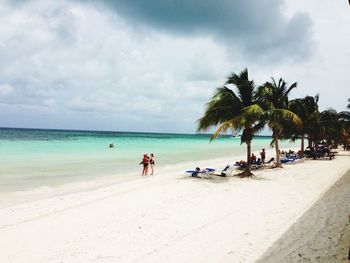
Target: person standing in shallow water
{"points": [[145, 163], [152, 163]]}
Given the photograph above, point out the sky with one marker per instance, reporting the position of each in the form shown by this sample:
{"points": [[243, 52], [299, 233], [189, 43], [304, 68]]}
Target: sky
{"points": [[153, 65]]}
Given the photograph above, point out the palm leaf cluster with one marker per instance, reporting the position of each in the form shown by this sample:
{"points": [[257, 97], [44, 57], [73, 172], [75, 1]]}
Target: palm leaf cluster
{"points": [[237, 111], [240, 106]]}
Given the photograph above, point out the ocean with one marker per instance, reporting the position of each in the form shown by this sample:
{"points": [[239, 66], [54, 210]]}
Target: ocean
{"points": [[34, 158]]}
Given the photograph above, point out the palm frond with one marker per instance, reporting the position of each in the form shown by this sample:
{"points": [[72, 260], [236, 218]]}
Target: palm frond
{"points": [[244, 86], [252, 113], [224, 105], [293, 86], [258, 127], [224, 127]]}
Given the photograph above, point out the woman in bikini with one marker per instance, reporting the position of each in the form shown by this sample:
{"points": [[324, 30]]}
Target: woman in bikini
{"points": [[145, 162], [152, 163]]}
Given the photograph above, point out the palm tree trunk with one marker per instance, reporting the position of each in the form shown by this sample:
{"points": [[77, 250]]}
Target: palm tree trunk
{"points": [[247, 171], [302, 145], [309, 141], [249, 153], [277, 148]]}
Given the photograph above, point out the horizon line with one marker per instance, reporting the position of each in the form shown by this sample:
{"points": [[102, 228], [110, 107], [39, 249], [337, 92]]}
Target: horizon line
{"points": [[89, 130]]}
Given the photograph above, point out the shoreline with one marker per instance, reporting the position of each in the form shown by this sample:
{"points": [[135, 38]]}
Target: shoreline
{"points": [[44, 192], [51, 160], [167, 218], [15, 197], [322, 234]]}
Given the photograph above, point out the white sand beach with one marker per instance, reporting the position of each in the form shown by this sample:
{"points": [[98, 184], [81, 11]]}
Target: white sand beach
{"points": [[168, 218]]}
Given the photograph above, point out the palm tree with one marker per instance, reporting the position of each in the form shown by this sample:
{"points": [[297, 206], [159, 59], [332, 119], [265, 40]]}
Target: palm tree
{"points": [[274, 97], [236, 111], [328, 127], [335, 127], [307, 110], [331, 127], [344, 118]]}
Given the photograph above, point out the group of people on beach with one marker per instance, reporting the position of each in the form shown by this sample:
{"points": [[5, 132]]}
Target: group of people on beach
{"points": [[146, 162], [254, 159]]}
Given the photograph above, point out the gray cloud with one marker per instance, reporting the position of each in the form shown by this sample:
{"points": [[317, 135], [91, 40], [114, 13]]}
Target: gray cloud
{"points": [[259, 27], [83, 64], [68, 61]]}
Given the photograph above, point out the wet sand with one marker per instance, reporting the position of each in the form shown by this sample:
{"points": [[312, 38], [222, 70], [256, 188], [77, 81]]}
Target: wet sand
{"points": [[322, 234]]}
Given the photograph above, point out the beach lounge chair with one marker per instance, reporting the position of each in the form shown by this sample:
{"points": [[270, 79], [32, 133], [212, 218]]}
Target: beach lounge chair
{"points": [[228, 170], [286, 160], [256, 166], [209, 172], [298, 159], [332, 154], [240, 165], [201, 173], [253, 166], [270, 164]]}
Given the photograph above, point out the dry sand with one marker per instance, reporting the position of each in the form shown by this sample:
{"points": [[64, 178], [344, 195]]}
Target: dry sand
{"points": [[168, 218]]}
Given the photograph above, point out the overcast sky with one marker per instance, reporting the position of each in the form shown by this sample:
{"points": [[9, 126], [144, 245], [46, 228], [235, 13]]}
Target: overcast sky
{"points": [[153, 65]]}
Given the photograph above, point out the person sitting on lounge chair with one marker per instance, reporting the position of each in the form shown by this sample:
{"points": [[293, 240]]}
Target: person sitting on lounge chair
{"points": [[207, 172], [253, 158], [196, 172], [241, 164]]}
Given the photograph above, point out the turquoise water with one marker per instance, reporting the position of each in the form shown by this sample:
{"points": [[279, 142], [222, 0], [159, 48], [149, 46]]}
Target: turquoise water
{"points": [[33, 158]]}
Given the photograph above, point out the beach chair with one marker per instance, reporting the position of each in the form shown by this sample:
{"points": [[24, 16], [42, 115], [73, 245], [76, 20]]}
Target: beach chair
{"points": [[228, 170], [270, 164], [204, 173], [253, 166], [298, 159], [286, 160], [332, 154], [256, 166], [240, 166], [209, 172]]}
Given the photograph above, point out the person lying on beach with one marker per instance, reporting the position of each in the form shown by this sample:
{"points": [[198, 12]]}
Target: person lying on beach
{"points": [[241, 164], [196, 172]]}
